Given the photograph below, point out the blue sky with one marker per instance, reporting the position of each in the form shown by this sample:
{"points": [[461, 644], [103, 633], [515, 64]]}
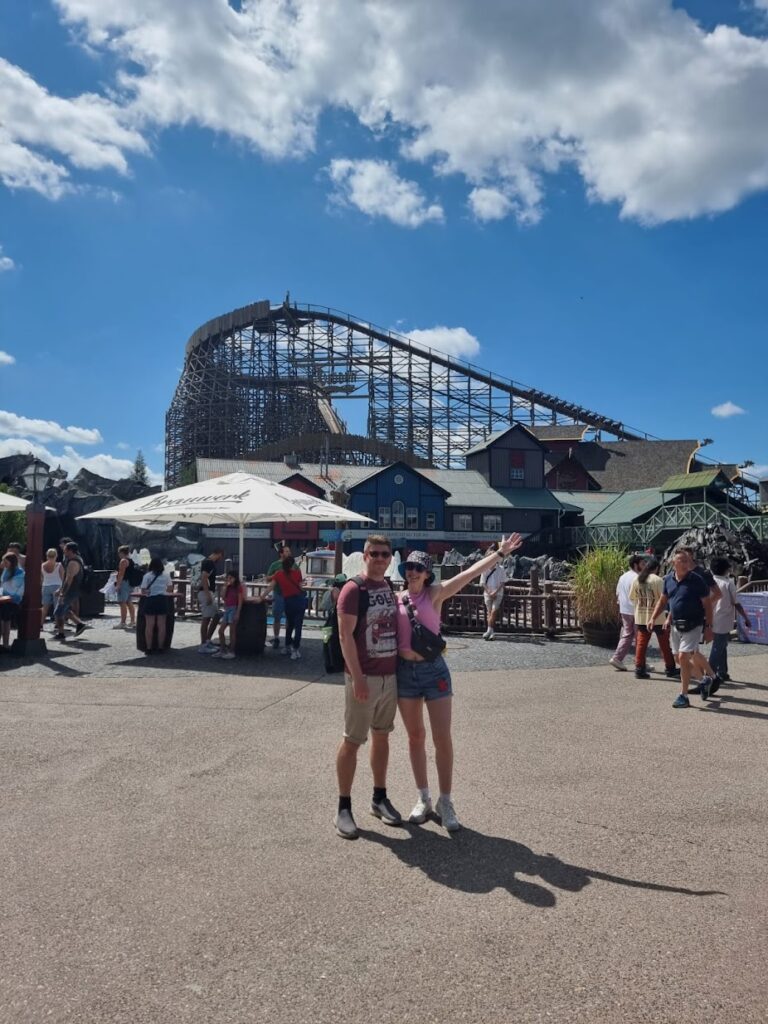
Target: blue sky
{"points": [[581, 200]]}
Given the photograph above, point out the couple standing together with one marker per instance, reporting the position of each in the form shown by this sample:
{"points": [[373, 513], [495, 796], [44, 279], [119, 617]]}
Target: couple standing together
{"points": [[384, 672]]}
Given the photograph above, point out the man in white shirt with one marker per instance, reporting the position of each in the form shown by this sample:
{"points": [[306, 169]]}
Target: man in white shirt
{"points": [[723, 614], [627, 611], [492, 583]]}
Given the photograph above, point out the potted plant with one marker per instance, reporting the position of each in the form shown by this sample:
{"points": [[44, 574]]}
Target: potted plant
{"points": [[594, 578]]}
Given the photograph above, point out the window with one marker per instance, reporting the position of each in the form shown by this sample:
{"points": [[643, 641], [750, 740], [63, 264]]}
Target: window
{"points": [[517, 465], [412, 519], [430, 520], [385, 518], [491, 524], [462, 521], [398, 515]]}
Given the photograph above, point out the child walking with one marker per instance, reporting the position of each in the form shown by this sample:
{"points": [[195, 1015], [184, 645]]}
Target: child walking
{"points": [[644, 593], [234, 595]]}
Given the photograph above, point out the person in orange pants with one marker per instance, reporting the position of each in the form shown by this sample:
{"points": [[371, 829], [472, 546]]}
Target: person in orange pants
{"points": [[644, 593]]}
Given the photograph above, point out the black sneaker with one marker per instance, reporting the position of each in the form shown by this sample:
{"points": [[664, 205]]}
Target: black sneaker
{"points": [[59, 636], [640, 673], [715, 686], [81, 627], [275, 642], [383, 809], [672, 673]]}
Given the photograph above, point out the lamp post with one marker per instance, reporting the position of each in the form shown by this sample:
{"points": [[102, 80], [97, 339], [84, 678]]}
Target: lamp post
{"points": [[29, 642]]}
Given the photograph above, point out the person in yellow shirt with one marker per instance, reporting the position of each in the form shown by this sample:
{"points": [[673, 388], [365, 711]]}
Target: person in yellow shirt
{"points": [[644, 593]]}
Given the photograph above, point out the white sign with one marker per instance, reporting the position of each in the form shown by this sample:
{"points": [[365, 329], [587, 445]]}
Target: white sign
{"points": [[251, 533]]}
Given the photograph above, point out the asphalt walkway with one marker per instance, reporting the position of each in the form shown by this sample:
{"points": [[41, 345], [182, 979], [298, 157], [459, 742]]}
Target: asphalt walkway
{"points": [[169, 856]]}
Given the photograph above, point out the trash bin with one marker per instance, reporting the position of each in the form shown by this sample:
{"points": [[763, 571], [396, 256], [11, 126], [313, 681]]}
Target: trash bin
{"points": [[252, 628], [141, 626]]}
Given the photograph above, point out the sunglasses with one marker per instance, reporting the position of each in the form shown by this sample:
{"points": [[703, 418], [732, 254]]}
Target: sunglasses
{"points": [[379, 554], [414, 567]]}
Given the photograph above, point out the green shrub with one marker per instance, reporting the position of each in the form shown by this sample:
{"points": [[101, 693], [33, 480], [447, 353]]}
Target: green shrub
{"points": [[594, 578]]}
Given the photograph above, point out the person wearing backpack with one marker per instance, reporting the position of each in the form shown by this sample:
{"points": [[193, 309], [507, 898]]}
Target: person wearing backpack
{"points": [[127, 572], [367, 612], [155, 586]]}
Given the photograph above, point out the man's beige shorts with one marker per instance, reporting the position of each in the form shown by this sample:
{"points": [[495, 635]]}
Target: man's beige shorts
{"points": [[377, 713]]}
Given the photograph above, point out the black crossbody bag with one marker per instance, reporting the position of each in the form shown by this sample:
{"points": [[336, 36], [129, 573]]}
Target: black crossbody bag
{"points": [[423, 641]]}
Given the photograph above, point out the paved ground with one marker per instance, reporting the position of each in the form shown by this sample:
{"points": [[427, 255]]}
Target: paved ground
{"points": [[168, 853]]}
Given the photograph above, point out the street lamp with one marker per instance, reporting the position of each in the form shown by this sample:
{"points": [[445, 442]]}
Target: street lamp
{"points": [[29, 642]]}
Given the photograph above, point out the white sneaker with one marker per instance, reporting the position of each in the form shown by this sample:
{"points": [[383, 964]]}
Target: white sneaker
{"points": [[619, 666], [295, 655], [444, 809], [218, 654], [227, 655], [491, 635], [207, 648], [487, 634], [421, 811]]}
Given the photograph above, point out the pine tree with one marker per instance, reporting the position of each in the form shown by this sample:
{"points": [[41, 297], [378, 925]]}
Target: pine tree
{"points": [[139, 471]]}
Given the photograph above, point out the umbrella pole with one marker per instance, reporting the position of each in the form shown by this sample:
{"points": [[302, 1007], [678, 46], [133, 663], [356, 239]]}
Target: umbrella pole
{"points": [[240, 566]]}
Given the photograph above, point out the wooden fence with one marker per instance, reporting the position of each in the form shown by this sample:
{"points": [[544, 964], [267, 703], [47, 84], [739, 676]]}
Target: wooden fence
{"points": [[528, 606]]}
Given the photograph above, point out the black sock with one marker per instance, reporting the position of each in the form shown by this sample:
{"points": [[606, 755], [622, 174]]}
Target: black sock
{"points": [[379, 794], [345, 803]]}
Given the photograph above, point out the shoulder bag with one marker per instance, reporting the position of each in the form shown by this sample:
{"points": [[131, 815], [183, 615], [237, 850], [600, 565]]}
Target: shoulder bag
{"points": [[423, 641]]}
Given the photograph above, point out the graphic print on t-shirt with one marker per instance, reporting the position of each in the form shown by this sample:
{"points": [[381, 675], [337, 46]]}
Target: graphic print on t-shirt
{"points": [[381, 624]]}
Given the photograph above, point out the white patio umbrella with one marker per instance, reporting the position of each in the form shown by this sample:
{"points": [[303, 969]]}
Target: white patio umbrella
{"points": [[10, 503], [237, 498]]}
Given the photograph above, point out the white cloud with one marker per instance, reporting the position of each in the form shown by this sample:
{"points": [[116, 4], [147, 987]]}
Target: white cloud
{"points": [[45, 430], [72, 461], [85, 132], [760, 470], [489, 204], [6, 359], [373, 186], [6, 263], [453, 341], [657, 115], [123, 446], [727, 409]]}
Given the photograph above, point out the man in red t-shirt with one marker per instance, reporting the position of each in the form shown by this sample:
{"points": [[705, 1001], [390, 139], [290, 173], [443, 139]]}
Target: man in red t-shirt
{"points": [[370, 667]]}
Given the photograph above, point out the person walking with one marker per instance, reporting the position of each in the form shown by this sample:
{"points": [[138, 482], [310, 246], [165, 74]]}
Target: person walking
{"points": [[278, 605], [367, 613], [723, 616], [424, 678], [687, 593], [69, 593], [155, 586], [626, 611], [11, 593], [644, 593], [492, 582], [52, 576], [124, 586], [234, 595]]}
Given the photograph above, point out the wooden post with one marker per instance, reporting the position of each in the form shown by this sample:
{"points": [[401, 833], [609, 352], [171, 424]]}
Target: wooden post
{"points": [[535, 591], [549, 609]]}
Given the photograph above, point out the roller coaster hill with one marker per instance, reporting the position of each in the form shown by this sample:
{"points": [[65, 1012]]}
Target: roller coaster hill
{"points": [[265, 380]]}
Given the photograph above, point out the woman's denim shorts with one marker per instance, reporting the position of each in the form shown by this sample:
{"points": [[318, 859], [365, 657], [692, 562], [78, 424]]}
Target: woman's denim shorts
{"points": [[49, 594], [228, 616], [429, 680], [124, 592]]}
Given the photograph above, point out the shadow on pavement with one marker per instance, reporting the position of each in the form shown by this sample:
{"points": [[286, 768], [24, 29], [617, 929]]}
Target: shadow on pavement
{"points": [[475, 863]]}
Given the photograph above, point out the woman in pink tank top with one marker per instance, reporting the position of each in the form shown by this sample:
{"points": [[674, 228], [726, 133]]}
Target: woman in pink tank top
{"points": [[421, 682]]}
